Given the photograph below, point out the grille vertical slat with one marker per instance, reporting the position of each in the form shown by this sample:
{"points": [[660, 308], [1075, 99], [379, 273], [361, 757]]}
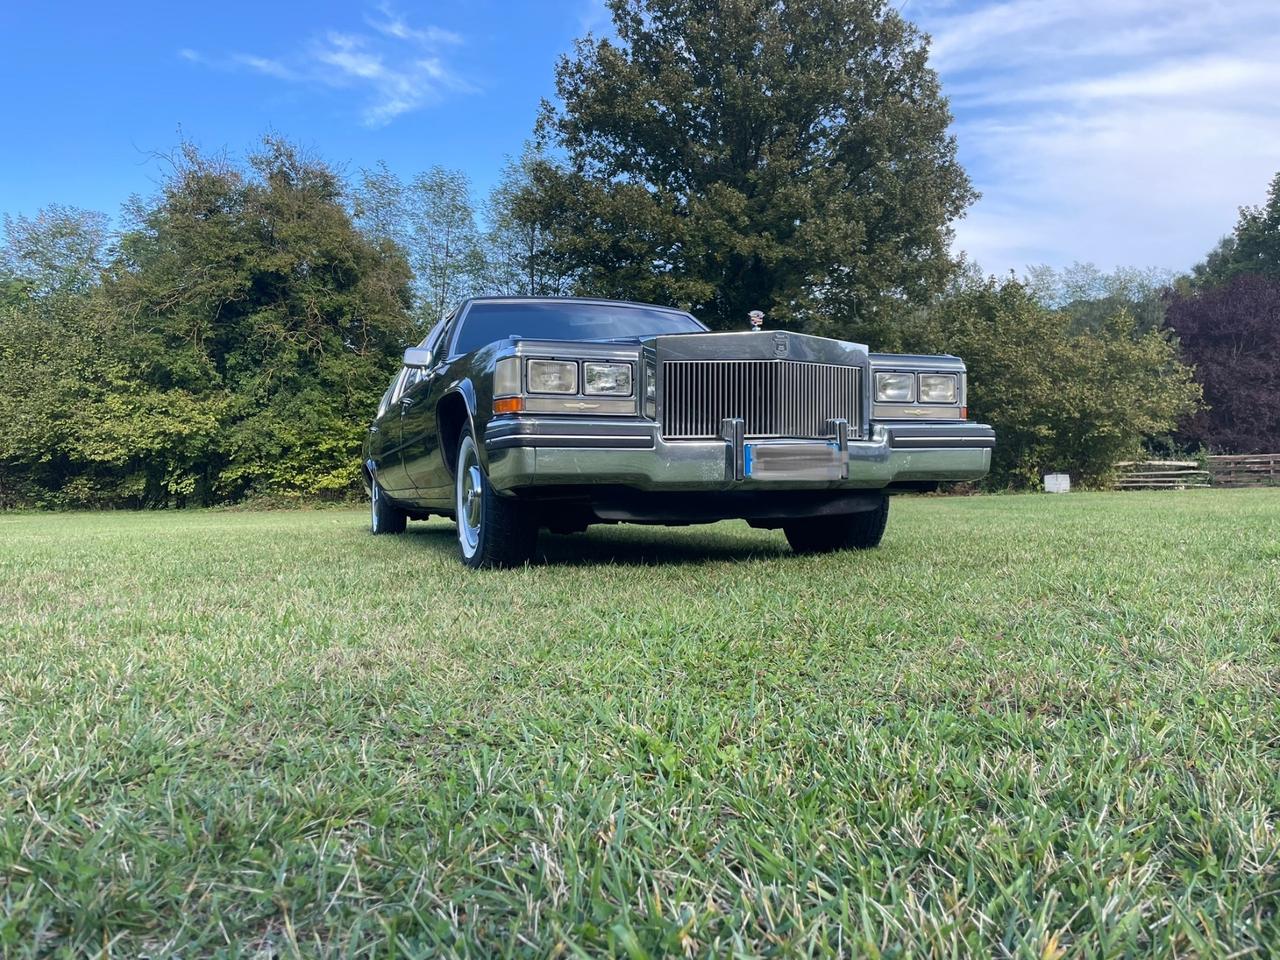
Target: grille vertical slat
{"points": [[774, 398]]}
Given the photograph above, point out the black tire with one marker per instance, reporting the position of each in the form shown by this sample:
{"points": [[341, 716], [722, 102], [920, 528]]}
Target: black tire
{"points": [[850, 531], [493, 531], [384, 516]]}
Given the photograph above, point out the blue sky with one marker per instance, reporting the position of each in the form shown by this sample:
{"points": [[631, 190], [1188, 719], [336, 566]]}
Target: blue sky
{"points": [[1112, 131]]}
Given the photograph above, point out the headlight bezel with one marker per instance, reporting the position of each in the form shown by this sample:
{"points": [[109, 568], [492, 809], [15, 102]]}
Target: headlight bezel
{"points": [[571, 366], [908, 380], [952, 381], [920, 408], [628, 374], [536, 384]]}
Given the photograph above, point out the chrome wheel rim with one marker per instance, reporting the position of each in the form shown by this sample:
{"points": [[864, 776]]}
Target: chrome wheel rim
{"points": [[470, 498]]}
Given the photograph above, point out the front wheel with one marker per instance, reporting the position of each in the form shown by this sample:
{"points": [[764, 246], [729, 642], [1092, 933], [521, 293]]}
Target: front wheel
{"points": [[493, 531], [384, 516], [850, 531]]}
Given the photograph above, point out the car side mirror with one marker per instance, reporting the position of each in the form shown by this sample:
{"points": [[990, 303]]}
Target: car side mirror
{"points": [[419, 357]]}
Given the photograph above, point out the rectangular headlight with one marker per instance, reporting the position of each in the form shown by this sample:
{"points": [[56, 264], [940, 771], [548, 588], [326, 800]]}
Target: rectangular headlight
{"points": [[607, 379], [552, 376], [938, 388], [895, 387]]}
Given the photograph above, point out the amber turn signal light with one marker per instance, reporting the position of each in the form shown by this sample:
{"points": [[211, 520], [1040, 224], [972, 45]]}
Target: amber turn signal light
{"points": [[508, 405], [964, 413]]}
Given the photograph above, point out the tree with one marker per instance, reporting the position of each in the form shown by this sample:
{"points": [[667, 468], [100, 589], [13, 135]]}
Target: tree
{"points": [[235, 344], [432, 220], [1232, 336], [1091, 298], [58, 251], [1059, 399], [445, 247], [1254, 246], [51, 346], [259, 297], [790, 157], [519, 257]]}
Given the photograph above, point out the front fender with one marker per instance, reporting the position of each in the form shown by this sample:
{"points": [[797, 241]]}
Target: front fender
{"points": [[465, 388]]}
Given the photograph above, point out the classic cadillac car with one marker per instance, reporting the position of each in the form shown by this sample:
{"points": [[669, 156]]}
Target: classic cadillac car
{"points": [[516, 414]]}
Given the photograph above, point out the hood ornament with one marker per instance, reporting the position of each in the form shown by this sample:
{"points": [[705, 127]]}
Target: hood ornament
{"points": [[757, 319]]}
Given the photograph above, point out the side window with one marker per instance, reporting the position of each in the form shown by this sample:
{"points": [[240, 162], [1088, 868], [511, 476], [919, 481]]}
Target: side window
{"points": [[397, 388], [407, 377], [449, 344], [386, 397], [439, 335]]}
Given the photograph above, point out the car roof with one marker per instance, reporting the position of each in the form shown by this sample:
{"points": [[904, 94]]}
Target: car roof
{"points": [[604, 301]]}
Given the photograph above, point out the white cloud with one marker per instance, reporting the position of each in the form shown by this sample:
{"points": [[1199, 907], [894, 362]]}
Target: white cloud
{"points": [[1113, 131], [392, 24], [398, 67], [272, 68]]}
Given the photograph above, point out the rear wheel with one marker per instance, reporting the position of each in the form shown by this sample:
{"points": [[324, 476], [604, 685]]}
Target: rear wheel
{"points": [[384, 516], [850, 531], [493, 531]]}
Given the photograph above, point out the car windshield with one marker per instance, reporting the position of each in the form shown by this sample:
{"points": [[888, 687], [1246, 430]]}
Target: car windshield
{"points": [[487, 322]]}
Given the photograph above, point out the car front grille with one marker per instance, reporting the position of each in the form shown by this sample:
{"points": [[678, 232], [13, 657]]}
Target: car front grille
{"points": [[774, 398]]}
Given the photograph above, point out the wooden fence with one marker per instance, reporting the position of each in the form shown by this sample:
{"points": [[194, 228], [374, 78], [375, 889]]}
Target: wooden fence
{"points": [[1253, 470], [1250, 470], [1160, 475]]}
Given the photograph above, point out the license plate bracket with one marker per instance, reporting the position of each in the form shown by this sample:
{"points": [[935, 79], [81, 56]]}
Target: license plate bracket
{"points": [[794, 460]]}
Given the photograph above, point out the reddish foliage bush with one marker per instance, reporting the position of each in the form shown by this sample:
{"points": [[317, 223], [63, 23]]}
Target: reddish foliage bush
{"points": [[1231, 334]]}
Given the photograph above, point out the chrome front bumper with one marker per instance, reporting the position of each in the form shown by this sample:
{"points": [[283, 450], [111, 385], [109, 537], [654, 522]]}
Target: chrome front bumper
{"points": [[528, 452]]}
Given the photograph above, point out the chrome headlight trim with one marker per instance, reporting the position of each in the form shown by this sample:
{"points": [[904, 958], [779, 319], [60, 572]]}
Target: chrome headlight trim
{"points": [[541, 376], [895, 387], [623, 374], [939, 388]]}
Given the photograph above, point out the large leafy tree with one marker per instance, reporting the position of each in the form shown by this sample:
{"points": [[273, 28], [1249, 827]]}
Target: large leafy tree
{"points": [[252, 293], [234, 343], [730, 155], [52, 348], [1232, 336]]}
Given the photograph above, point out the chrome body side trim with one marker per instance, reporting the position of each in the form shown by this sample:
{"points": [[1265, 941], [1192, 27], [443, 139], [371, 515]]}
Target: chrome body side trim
{"points": [[908, 411]]}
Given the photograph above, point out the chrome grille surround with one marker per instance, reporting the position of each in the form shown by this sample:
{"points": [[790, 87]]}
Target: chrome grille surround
{"points": [[774, 398]]}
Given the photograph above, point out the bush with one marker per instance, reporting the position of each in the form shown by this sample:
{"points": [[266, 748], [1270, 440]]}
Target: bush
{"points": [[1060, 401]]}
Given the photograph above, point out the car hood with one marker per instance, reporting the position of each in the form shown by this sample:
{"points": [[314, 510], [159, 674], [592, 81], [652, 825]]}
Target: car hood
{"points": [[757, 345], [737, 345]]}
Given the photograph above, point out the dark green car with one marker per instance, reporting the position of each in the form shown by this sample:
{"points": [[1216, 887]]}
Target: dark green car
{"points": [[517, 414]]}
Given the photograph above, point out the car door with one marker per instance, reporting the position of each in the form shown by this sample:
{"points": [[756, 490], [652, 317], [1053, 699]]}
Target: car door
{"points": [[420, 433], [385, 439]]}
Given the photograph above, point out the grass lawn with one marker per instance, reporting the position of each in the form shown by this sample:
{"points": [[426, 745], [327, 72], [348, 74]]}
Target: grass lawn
{"points": [[1026, 726]]}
